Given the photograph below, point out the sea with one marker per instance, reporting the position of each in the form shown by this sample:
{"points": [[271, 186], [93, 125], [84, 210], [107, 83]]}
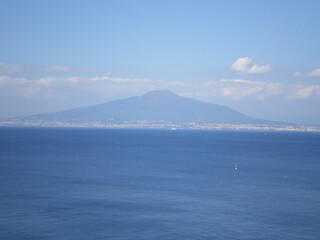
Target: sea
{"points": [[121, 184]]}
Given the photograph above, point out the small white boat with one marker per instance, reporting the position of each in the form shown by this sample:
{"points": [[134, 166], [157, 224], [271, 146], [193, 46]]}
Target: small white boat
{"points": [[236, 167]]}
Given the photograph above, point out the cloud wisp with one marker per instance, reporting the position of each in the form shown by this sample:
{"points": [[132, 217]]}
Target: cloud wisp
{"points": [[8, 68], [14, 69], [6, 80], [245, 65], [313, 74], [106, 87], [58, 68]]}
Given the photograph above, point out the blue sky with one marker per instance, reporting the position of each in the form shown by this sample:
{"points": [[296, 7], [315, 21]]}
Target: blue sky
{"points": [[259, 57]]}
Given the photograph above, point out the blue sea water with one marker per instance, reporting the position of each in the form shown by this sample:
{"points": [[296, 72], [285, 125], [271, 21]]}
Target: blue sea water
{"points": [[158, 184]]}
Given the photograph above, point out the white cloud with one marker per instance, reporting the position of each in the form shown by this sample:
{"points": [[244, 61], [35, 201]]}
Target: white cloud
{"points": [[7, 68], [239, 89], [106, 88], [54, 81], [239, 81], [254, 69], [241, 64], [47, 81], [313, 74], [6, 80], [298, 74], [81, 81], [121, 80], [305, 92], [245, 65], [229, 89]]}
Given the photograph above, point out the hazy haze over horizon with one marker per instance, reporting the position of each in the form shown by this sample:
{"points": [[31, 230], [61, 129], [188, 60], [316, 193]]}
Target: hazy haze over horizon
{"points": [[261, 58]]}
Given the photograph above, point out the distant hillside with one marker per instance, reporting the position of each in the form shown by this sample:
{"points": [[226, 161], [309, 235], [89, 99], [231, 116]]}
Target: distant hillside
{"points": [[162, 105]]}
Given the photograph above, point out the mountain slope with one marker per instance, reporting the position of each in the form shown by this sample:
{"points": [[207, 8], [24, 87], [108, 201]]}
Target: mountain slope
{"points": [[152, 106]]}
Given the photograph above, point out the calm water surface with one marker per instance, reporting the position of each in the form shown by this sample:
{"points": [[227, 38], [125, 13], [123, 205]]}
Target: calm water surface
{"points": [[157, 184]]}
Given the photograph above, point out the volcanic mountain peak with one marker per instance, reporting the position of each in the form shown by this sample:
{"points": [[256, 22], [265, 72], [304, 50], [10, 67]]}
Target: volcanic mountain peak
{"points": [[160, 105], [164, 93]]}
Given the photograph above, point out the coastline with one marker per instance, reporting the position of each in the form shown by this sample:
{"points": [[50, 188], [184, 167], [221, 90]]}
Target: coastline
{"points": [[167, 125]]}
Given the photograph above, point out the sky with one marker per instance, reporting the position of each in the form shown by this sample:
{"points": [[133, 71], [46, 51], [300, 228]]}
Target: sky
{"points": [[259, 57]]}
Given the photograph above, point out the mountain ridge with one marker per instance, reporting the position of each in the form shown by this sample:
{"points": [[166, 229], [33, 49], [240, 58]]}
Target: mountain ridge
{"points": [[158, 105], [161, 109]]}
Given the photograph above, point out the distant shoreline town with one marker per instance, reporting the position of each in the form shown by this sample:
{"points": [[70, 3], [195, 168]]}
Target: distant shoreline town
{"points": [[166, 125]]}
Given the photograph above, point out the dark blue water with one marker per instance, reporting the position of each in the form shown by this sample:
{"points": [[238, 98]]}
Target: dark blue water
{"points": [[157, 184]]}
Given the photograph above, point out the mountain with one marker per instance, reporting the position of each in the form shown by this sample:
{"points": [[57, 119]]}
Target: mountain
{"points": [[162, 105]]}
